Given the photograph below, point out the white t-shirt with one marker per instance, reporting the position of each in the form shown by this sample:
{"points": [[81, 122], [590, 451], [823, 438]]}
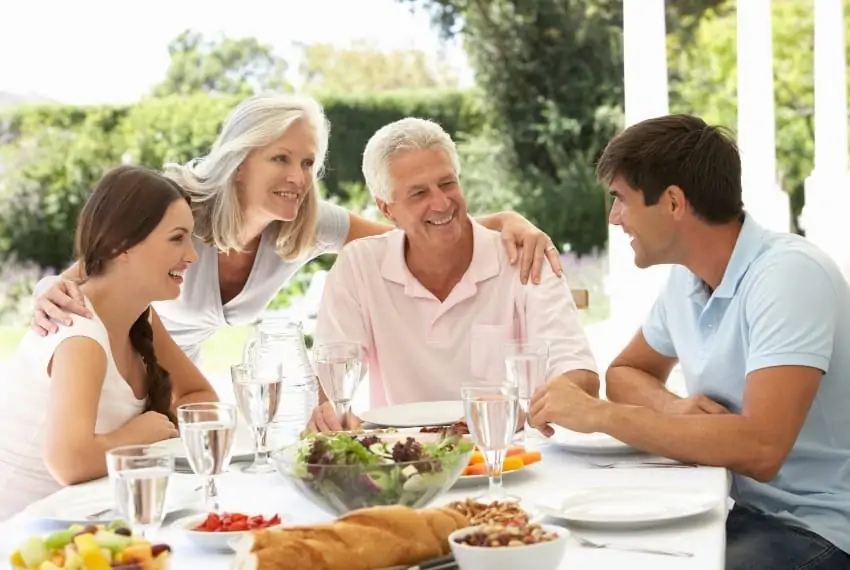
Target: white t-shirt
{"points": [[198, 313], [24, 397]]}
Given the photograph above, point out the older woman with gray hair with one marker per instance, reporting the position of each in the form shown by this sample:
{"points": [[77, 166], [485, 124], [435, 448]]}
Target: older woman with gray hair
{"points": [[259, 219]]}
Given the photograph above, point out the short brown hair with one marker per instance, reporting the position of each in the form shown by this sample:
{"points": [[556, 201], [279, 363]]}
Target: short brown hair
{"points": [[683, 151]]}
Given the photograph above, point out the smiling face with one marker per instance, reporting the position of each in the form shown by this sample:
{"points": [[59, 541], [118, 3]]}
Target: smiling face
{"points": [[274, 180], [651, 228], [157, 263], [428, 201]]}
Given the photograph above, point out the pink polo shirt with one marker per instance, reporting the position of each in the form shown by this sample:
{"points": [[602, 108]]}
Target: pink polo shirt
{"points": [[422, 349]]}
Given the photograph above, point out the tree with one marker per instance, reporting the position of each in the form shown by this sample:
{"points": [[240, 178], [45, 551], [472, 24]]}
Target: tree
{"points": [[551, 75], [222, 65], [704, 78], [363, 68]]}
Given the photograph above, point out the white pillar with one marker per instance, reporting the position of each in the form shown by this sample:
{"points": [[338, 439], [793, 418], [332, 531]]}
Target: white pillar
{"points": [[763, 197], [828, 186], [631, 290]]}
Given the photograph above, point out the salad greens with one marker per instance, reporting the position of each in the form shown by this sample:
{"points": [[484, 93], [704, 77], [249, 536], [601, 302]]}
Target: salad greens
{"points": [[346, 472]]}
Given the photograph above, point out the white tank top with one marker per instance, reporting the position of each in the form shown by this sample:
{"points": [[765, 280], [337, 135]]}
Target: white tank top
{"points": [[198, 313], [24, 396]]}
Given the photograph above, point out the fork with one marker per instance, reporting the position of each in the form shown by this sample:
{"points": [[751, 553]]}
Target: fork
{"points": [[624, 464], [587, 543]]}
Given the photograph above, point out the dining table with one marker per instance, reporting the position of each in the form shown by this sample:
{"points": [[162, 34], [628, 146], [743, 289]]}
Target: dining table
{"points": [[559, 475]]}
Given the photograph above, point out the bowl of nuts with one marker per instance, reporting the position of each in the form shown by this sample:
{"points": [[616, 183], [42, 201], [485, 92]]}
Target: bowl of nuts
{"points": [[529, 546]]}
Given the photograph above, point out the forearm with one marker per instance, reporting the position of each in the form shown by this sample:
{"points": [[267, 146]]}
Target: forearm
{"points": [[722, 440], [627, 385], [196, 397], [494, 221], [76, 462], [586, 380]]}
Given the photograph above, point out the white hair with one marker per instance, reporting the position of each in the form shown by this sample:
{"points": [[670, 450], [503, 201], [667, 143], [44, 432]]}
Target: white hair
{"points": [[210, 181], [406, 134]]}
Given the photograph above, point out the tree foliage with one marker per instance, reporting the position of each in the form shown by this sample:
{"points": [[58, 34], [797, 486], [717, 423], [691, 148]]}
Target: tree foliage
{"points": [[222, 65]]}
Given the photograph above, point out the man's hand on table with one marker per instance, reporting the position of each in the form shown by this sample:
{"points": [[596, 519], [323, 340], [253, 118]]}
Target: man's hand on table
{"points": [[325, 419], [560, 401]]}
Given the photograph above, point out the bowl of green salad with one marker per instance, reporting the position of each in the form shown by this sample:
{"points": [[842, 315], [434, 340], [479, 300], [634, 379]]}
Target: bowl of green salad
{"points": [[342, 472]]}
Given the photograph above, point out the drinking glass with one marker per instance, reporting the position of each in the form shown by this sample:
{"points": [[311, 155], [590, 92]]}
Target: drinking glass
{"points": [[139, 475], [207, 430], [258, 397], [491, 412], [526, 364], [340, 367]]}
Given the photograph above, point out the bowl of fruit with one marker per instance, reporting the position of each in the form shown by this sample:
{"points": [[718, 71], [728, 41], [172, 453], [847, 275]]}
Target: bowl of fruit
{"points": [[218, 531], [343, 472], [91, 547]]}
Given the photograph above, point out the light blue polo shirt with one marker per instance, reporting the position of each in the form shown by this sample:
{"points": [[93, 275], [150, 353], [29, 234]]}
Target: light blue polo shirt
{"points": [[782, 301]]}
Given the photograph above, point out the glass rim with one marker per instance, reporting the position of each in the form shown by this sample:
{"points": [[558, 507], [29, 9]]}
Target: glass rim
{"points": [[500, 388], [159, 451], [210, 406]]}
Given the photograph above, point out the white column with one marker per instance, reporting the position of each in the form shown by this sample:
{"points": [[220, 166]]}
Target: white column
{"points": [[828, 186], [763, 197], [631, 290]]}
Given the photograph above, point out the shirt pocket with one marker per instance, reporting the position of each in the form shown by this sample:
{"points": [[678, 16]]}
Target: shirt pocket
{"points": [[486, 352]]}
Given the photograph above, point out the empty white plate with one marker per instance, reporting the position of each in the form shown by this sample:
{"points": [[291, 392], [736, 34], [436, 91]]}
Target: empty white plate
{"points": [[590, 443], [624, 508], [416, 414]]}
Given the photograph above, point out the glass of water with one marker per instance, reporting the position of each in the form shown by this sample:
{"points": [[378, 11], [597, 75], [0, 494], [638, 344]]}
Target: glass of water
{"points": [[491, 412], [258, 397], [139, 475], [340, 367], [526, 365], [207, 430]]}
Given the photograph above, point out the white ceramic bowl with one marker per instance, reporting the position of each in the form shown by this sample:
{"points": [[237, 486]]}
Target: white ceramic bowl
{"points": [[209, 540], [540, 556]]}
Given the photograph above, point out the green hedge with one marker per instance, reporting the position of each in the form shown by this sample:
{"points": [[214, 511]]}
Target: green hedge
{"points": [[53, 155]]}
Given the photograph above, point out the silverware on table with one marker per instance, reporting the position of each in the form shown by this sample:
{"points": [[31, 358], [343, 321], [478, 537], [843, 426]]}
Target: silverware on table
{"points": [[587, 543], [442, 563], [98, 514], [625, 464]]}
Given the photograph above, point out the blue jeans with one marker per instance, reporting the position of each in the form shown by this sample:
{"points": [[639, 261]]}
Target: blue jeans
{"points": [[755, 541]]}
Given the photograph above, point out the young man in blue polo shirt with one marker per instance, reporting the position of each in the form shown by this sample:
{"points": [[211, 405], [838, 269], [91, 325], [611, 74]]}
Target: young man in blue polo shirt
{"points": [[759, 322]]}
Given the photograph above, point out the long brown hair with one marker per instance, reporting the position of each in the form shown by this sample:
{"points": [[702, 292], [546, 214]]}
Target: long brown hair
{"points": [[127, 204]]}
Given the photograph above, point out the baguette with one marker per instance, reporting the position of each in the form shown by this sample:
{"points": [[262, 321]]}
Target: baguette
{"points": [[365, 539]]}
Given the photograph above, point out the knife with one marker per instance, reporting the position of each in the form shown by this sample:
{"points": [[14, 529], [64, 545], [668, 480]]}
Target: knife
{"points": [[442, 563]]}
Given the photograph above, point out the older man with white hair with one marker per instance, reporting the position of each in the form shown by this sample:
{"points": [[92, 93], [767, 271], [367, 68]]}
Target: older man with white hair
{"points": [[433, 301]]}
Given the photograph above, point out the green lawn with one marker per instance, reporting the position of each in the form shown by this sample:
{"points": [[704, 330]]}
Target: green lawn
{"points": [[222, 350]]}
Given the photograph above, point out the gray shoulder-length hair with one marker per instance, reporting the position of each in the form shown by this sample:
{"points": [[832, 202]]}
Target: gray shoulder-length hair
{"points": [[210, 181]]}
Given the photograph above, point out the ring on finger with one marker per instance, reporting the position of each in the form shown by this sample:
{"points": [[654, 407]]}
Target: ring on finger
{"points": [[551, 248]]}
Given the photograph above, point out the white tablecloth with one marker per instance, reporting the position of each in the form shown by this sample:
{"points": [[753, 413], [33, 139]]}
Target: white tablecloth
{"points": [[557, 475]]}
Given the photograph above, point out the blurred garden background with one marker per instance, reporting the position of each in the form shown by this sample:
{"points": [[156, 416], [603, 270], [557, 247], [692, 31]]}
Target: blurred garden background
{"points": [[545, 95]]}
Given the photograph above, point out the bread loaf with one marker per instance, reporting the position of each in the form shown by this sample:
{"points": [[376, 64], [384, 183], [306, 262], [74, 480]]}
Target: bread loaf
{"points": [[365, 539]]}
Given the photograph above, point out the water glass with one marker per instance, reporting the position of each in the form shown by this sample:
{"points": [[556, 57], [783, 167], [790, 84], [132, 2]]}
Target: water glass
{"points": [[139, 475], [340, 367], [491, 412], [258, 397], [208, 430], [526, 366]]}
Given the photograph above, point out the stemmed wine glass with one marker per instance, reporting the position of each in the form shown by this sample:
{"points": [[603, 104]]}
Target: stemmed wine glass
{"points": [[491, 412], [258, 397], [139, 476], [526, 364], [340, 367], [207, 430]]}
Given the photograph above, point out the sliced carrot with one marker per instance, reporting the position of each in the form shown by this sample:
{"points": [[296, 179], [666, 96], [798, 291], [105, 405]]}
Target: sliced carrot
{"points": [[477, 469], [512, 463], [530, 457], [515, 450], [476, 458]]}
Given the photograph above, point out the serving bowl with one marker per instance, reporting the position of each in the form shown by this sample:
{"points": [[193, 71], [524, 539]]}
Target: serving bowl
{"points": [[207, 540], [538, 556], [339, 483]]}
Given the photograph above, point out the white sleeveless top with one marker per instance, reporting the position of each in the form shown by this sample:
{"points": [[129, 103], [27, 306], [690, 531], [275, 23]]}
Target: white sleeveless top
{"points": [[24, 396], [198, 313]]}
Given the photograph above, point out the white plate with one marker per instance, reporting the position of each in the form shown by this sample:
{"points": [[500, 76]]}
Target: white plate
{"points": [[221, 541], [176, 447], [416, 414], [590, 443], [74, 510], [625, 508], [505, 474]]}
